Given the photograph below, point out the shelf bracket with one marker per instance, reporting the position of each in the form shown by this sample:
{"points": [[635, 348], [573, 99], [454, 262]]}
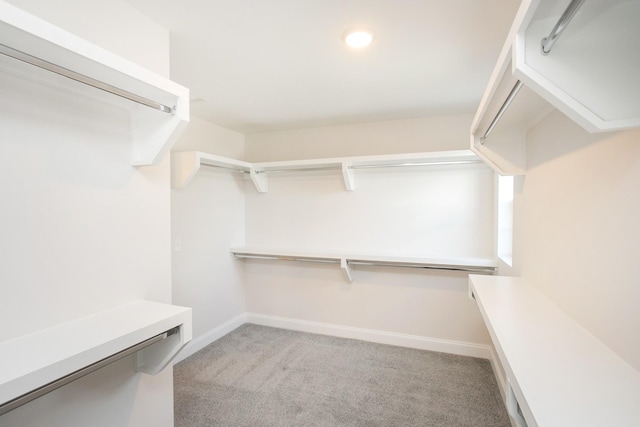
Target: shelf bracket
{"points": [[259, 180], [347, 269], [347, 174]]}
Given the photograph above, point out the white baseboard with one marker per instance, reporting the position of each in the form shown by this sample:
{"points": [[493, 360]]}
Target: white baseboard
{"points": [[382, 337], [204, 340]]}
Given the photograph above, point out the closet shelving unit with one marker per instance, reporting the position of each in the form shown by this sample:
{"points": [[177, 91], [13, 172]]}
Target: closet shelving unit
{"points": [[159, 108], [589, 73], [557, 373], [37, 363], [347, 260], [186, 164]]}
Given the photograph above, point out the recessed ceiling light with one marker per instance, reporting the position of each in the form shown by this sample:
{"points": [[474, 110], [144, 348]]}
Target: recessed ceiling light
{"points": [[358, 39]]}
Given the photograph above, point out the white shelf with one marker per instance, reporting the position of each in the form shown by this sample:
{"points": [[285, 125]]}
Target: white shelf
{"points": [[504, 150], [590, 75], [560, 374], [32, 361], [185, 165], [154, 132], [347, 260]]}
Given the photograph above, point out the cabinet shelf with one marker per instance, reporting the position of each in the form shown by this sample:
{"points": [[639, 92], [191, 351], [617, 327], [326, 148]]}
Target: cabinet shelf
{"points": [[35, 360], [347, 260], [185, 164], [558, 374], [589, 76], [154, 129]]}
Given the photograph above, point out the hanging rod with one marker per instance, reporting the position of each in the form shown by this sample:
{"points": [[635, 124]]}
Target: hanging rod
{"points": [[546, 44], [371, 166], [467, 268], [230, 167], [65, 72], [287, 258], [434, 163], [350, 261], [48, 388], [514, 91]]}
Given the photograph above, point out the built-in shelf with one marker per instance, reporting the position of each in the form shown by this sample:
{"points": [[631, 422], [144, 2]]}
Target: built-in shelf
{"points": [[31, 362], [348, 260], [592, 71], [159, 108], [558, 374], [589, 75], [185, 164]]}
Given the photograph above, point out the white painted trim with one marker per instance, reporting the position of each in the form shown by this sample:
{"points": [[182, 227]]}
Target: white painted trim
{"points": [[382, 337], [204, 340], [497, 371]]}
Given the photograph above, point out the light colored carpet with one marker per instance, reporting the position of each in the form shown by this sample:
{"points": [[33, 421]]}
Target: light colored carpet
{"points": [[261, 376]]}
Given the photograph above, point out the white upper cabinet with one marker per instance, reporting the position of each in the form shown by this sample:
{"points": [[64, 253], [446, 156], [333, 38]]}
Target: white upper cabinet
{"points": [[589, 73], [159, 108]]}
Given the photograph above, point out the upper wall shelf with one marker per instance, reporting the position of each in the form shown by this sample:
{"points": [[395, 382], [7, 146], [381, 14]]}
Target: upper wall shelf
{"points": [[159, 107], [30, 365], [589, 75], [185, 164], [558, 374]]}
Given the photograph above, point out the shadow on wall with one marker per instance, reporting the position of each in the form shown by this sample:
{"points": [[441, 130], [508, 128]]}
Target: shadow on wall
{"points": [[558, 136]]}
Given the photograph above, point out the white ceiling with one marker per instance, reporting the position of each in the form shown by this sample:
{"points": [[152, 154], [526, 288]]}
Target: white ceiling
{"points": [[277, 64]]}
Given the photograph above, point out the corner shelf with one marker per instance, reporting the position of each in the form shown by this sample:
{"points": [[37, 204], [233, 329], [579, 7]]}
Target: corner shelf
{"points": [[347, 260], [558, 374], [590, 76], [33, 361], [184, 165], [153, 131], [505, 149]]}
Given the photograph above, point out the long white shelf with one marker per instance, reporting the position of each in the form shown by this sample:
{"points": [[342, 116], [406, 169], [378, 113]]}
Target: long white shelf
{"points": [[30, 362], [185, 164], [153, 131], [347, 260], [557, 372]]}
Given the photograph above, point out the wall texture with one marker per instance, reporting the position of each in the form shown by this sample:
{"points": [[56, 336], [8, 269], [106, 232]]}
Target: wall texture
{"points": [[360, 139], [82, 230], [576, 227], [207, 218]]}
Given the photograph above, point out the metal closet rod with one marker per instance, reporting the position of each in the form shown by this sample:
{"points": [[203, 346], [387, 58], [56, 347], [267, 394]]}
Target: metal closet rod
{"points": [[467, 268], [48, 388], [507, 102], [371, 166], [547, 43], [48, 66], [288, 258]]}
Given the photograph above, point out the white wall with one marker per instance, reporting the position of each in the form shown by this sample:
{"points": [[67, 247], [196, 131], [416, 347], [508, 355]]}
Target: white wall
{"points": [[207, 218], [576, 227], [82, 230], [441, 211], [389, 137]]}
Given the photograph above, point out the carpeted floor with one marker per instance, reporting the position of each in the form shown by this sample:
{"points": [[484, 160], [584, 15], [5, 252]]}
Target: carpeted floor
{"points": [[261, 376]]}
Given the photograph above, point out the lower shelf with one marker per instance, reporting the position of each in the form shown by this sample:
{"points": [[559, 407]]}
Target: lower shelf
{"points": [[31, 365], [346, 261], [558, 374]]}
